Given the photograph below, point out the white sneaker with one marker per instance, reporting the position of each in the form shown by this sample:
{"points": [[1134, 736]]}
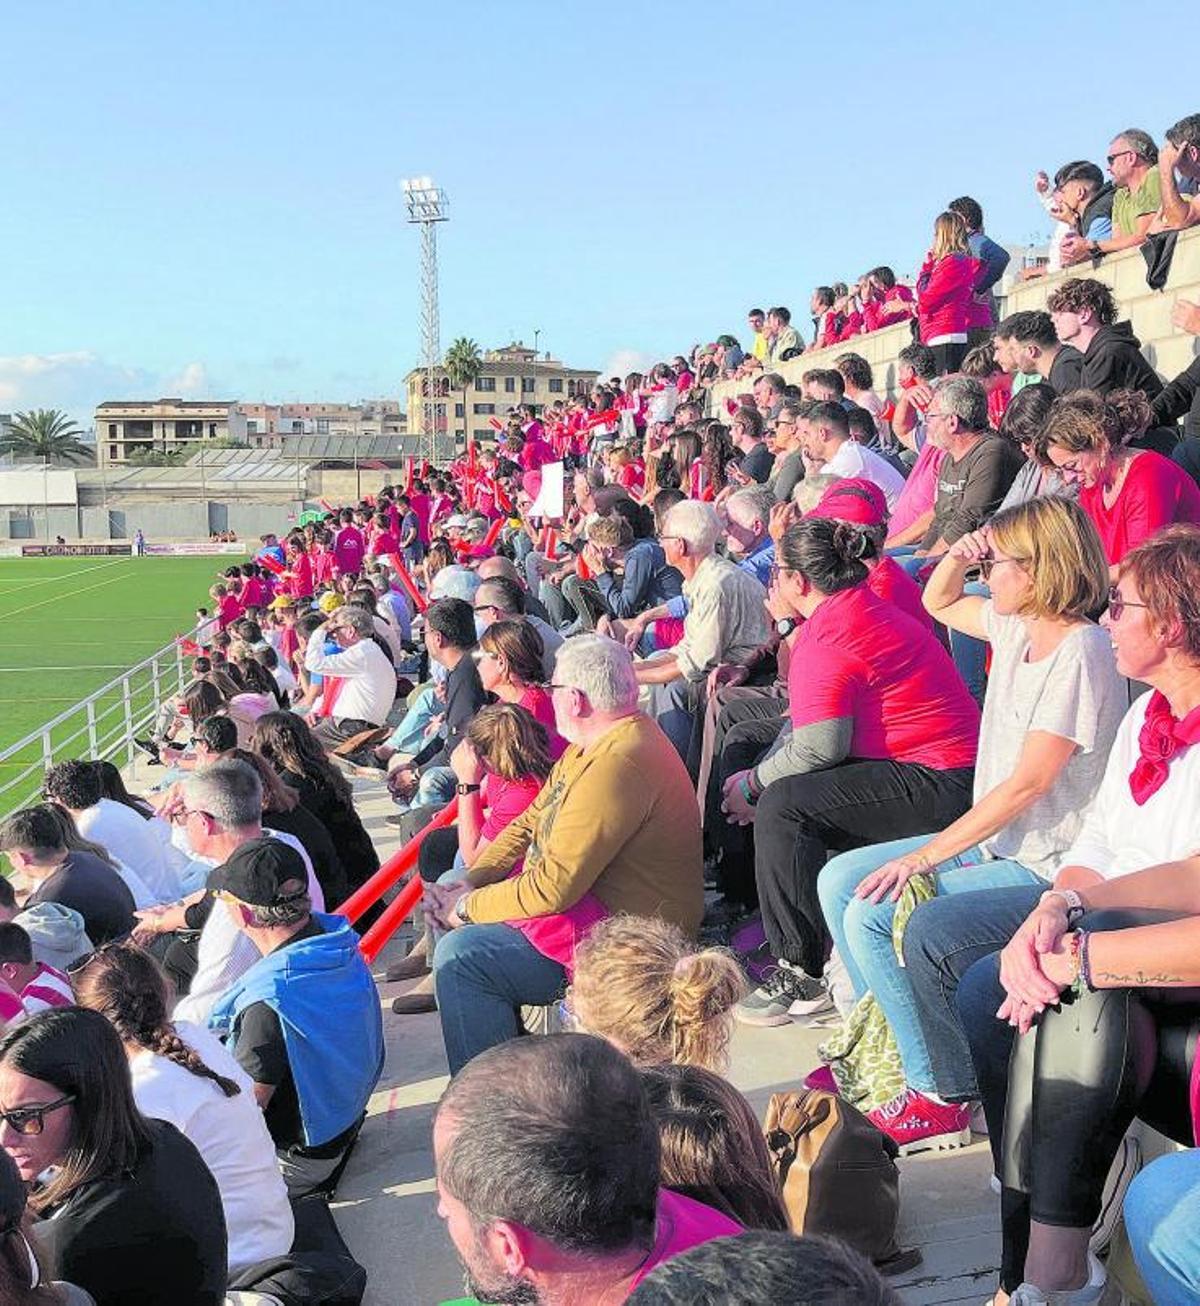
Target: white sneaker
{"points": [[1089, 1295]]}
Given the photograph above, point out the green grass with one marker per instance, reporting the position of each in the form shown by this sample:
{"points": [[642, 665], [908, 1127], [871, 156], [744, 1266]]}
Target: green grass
{"points": [[72, 625]]}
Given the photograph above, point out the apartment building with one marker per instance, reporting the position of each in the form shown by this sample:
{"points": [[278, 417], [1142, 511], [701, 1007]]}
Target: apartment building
{"points": [[270, 425], [125, 426], [511, 375]]}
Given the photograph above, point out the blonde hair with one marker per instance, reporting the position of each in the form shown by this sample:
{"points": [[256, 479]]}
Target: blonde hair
{"points": [[510, 741], [1057, 545], [949, 235], [642, 984]]}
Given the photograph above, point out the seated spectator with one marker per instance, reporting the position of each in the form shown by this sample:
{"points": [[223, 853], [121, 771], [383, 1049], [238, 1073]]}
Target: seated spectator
{"points": [[726, 620], [128, 1210], [1028, 345], [768, 396], [1053, 705], [1141, 815], [33, 841], [859, 379], [978, 469], [368, 686], [127, 835], [766, 1269], [547, 1160], [23, 1278], [37, 985], [1137, 197], [1084, 314], [310, 992], [945, 294], [617, 816], [1130, 494], [913, 513], [881, 736], [1158, 1214], [829, 450], [642, 984], [631, 570], [501, 597], [56, 933], [510, 667], [183, 1075], [76, 843], [884, 301], [787, 471], [746, 429], [1023, 421], [1084, 202], [992, 259], [1180, 153], [112, 785], [713, 1149], [747, 513]]}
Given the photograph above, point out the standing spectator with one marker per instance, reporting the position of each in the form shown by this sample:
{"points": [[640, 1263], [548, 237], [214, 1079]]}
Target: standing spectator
{"points": [[829, 450], [1085, 202], [820, 305], [726, 620], [311, 992], [944, 292], [1130, 494], [349, 546], [617, 816], [1084, 313], [993, 260], [1027, 343], [884, 300], [1180, 154], [548, 1175], [1133, 166], [761, 347]]}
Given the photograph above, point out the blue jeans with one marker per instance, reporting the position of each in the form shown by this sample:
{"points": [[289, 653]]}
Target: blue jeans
{"points": [[944, 939], [1160, 1218], [409, 736], [862, 931], [483, 975], [970, 655]]}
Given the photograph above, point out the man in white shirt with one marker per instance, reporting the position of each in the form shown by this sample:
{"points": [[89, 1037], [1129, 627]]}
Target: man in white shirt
{"points": [[128, 837], [829, 450], [369, 679]]}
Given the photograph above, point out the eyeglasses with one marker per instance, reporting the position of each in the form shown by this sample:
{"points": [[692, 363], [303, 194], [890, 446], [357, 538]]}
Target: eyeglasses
{"points": [[988, 565], [1117, 604], [29, 1121], [1111, 158], [485, 607]]}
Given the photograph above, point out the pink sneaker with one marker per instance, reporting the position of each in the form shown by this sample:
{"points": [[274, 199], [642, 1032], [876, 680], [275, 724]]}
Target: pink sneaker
{"points": [[821, 1078], [915, 1124]]}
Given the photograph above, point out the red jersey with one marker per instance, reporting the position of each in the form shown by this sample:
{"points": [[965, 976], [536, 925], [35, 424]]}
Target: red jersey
{"points": [[1156, 493]]}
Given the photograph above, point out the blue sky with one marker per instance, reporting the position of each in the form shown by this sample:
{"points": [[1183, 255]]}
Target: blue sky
{"points": [[203, 198]]}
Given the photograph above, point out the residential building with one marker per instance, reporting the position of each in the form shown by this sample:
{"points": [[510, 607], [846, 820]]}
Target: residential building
{"points": [[271, 425], [125, 426], [512, 375]]}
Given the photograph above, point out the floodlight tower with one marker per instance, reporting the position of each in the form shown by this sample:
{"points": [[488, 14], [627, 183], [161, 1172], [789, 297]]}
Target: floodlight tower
{"points": [[427, 205]]}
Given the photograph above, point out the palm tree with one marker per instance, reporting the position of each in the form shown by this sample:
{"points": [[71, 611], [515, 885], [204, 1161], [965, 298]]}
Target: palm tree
{"points": [[463, 365], [47, 434]]}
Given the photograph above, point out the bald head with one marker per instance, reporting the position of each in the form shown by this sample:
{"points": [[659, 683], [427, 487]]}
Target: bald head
{"points": [[490, 568]]}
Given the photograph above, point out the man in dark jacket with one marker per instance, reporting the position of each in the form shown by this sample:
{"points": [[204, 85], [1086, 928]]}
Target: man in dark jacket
{"points": [[1084, 315]]}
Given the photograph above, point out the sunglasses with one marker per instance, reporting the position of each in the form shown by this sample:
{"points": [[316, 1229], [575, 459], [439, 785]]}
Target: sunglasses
{"points": [[29, 1121], [1112, 158]]}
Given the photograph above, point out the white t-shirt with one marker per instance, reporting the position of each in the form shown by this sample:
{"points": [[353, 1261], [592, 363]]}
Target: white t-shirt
{"points": [[854, 459], [230, 1133], [131, 839]]}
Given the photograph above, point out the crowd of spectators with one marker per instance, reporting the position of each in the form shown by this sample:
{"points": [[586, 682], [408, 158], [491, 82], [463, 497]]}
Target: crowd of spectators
{"points": [[822, 706]]}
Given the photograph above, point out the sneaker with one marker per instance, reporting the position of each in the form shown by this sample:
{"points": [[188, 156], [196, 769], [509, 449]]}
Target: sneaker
{"points": [[917, 1124], [788, 991], [1089, 1295], [150, 748]]}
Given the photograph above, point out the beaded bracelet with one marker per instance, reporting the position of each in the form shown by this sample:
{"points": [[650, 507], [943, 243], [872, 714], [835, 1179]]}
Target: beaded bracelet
{"points": [[1085, 963]]}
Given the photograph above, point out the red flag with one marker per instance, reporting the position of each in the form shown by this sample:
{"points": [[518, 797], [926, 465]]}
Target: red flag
{"points": [[496, 424], [489, 540], [408, 475], [405, 579], [272, 563], [424, 469], [327, 505]]}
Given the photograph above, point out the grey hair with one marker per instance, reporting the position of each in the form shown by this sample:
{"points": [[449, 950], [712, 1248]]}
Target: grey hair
{"points": [[750, 503], [963, 397], [454, 582], [696, 523], [283, 914], [1141, 143], [810, 491], [599, 668], [229, 791], [357, 619]]}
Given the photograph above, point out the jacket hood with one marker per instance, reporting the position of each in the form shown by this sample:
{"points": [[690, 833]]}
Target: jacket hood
{"points": [[56, 932], [1120, 333]]}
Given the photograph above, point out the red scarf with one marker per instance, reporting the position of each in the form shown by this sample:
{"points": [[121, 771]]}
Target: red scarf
{"points": [[1159, 739]]}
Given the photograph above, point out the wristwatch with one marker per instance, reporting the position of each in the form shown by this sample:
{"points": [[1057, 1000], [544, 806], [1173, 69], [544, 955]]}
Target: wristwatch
{"points": [[1094, 249], [785, 625], [1075, 907], [462, 789]]}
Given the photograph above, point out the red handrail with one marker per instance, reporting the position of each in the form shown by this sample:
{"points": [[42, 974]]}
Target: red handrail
{"points": [[398, 911], [392, 871]]}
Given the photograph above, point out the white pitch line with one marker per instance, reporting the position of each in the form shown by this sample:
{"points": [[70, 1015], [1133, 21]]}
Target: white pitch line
{"points": [[99, 666], [60, 598], [65, 575]]}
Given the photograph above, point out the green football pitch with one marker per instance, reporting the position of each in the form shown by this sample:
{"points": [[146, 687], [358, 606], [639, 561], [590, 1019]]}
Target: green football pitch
{"points": [[71, 625]]}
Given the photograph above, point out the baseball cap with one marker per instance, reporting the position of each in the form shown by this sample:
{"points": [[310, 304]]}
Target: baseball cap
{"points": [[281, 601], [456, 522], [854, 500], [255, 872]]}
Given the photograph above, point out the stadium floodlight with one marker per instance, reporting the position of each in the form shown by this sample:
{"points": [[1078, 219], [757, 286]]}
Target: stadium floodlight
{"points": [[427, 205]]}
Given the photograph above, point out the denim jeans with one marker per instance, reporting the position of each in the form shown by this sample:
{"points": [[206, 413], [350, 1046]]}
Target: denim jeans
{"points": [[483, 975], [970, 655], [409, 736], [862, 932], [1160, 1219], [943, 940], [674, 706]]}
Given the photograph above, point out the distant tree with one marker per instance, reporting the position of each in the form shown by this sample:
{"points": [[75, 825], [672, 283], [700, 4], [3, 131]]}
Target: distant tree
{"points": [[46, 434], [157, 457], [463, 364]]}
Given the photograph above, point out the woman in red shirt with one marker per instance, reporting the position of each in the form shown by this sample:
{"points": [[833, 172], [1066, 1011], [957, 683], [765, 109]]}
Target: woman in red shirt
{"points": [[945, 292], [1130, 493], [880, 744], [510, 666]]}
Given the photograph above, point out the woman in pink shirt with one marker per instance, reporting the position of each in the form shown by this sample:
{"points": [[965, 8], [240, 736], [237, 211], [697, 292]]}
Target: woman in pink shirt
{"points": [[945, 292], [510, 666], [1130, 493]]}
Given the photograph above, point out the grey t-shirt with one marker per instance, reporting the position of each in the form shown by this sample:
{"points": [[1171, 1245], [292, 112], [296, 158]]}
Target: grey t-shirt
{"points": [[1075, 693]]}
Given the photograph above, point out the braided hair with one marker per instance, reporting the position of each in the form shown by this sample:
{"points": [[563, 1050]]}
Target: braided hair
{"points": [[127, 986]]}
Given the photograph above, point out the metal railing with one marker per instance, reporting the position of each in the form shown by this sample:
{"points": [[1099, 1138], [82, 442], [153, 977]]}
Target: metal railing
{"points": [[103, 725]]}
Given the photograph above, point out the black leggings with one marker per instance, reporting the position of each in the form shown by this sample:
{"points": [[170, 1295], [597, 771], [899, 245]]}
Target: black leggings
{"points": [[803, 818], [1076, 1082]]}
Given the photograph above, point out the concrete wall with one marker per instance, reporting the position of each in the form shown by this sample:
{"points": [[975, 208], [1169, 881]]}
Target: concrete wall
{"points": [[1168, 349], [187, 519]]}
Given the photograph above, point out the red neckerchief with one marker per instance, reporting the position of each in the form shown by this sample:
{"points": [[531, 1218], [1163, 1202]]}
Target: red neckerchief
{"points": [[1159, 739]]}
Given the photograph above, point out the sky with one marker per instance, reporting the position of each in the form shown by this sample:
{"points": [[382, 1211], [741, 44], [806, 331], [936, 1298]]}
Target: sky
{"points": [[202, 197]]}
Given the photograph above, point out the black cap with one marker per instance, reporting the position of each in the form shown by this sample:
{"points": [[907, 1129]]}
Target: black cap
{"points": [[255, 871]]}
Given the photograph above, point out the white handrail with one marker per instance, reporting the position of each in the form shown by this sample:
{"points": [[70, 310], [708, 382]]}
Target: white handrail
{"points": [[92, 728]]}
